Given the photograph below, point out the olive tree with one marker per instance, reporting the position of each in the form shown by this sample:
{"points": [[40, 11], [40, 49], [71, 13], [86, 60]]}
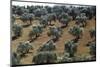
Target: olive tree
{"points": [[17, 30], [73, 12], [35, 32], [92, 32], [23, 48], [64, 19], [15, 59], [92, 47], [13, 18], [39, 12], [57, 10], [48, 46], [45, 57], [44, 20], [76, 31], [51, 17], [65, 58], [48, 8], [28, 46], [19, 10], [81, 19], [54, 32], [71, 48], [89, 11], [27, 17]]}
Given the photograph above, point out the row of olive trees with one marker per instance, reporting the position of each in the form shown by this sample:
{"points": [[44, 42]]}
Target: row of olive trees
{"points": [[22, 50], [46, 53], [38, 11], [45, 57]]}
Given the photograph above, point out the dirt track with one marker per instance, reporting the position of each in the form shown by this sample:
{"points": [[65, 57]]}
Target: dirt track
{"points": [[82, 49]]}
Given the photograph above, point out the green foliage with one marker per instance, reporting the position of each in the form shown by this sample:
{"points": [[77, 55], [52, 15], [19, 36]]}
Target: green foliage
{"points": [[65, 58], [49, 46], [24, 48], [76, 31], [44, 20], [71, 48], [92, 32], [45, 57], [13, 19], [26, 16], [92, 47], [17, 30], [36, 31], [15, 59]]}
